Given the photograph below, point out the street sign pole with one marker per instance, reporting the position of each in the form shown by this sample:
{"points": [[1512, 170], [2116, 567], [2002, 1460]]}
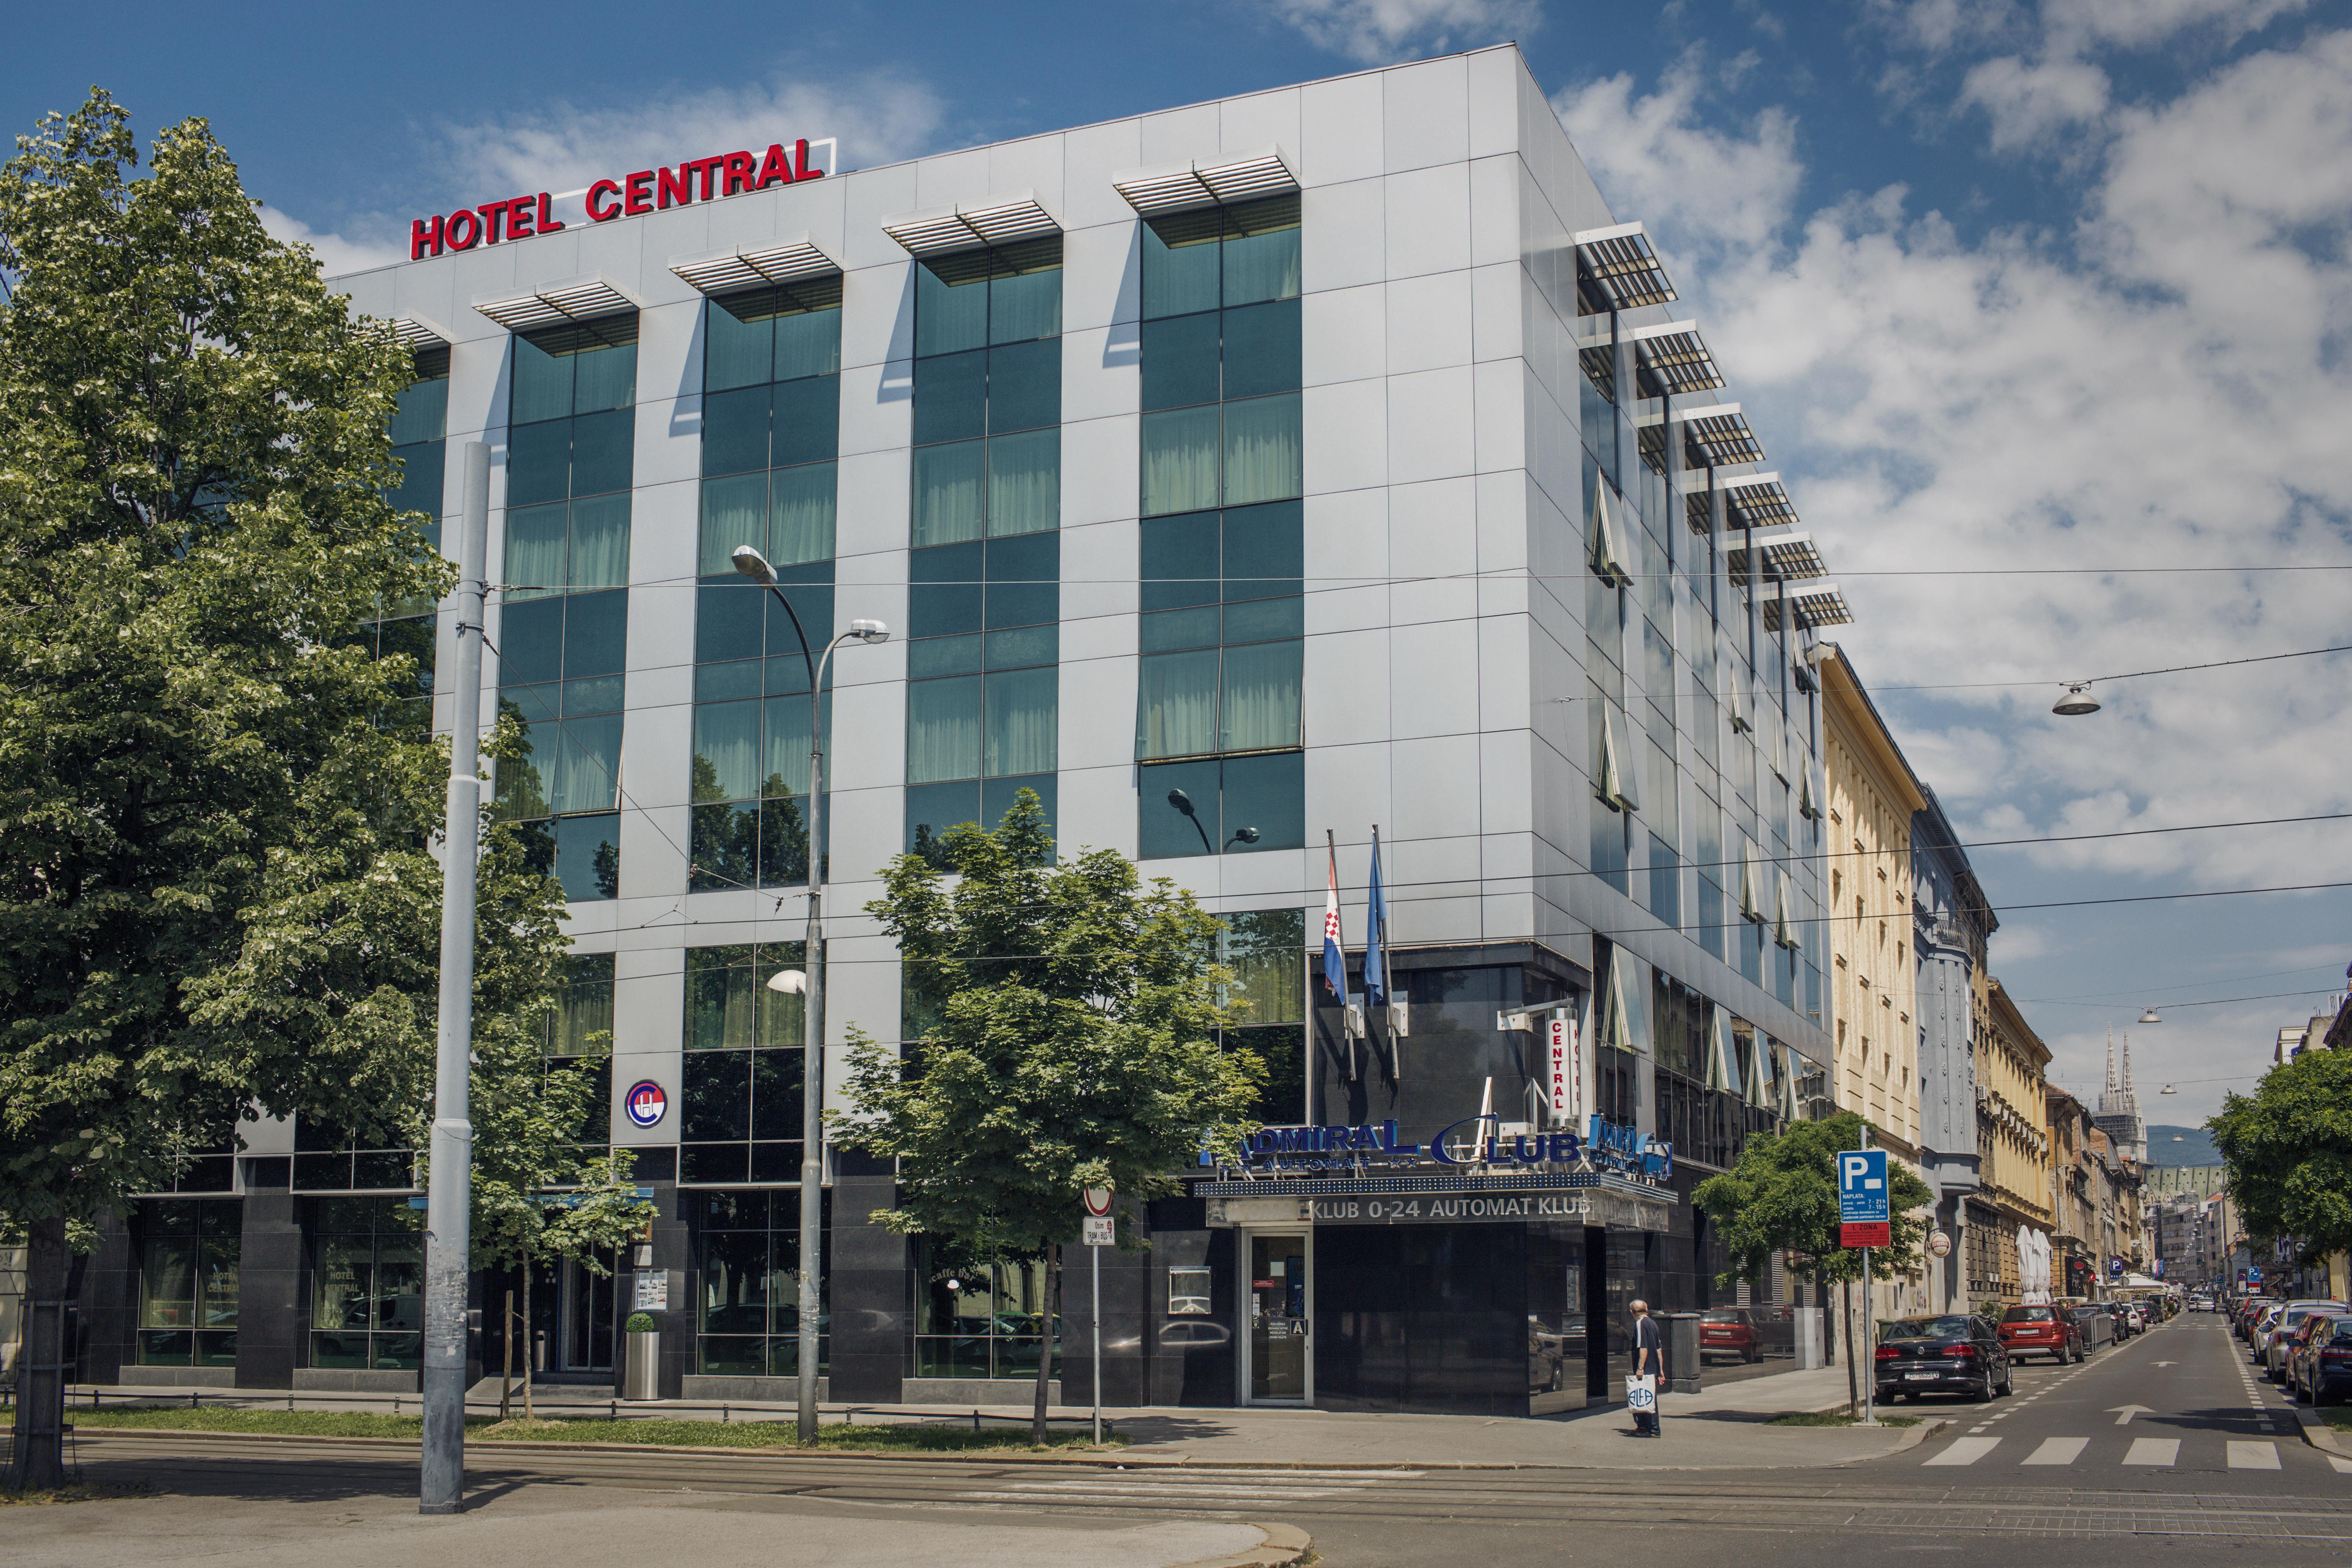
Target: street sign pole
{"points": [[1869, 1369], [1101, 1231]]}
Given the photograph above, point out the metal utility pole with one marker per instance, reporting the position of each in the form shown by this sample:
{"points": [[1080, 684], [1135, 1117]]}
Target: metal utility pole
{"points": [[449, 1189], [807, 1277]]}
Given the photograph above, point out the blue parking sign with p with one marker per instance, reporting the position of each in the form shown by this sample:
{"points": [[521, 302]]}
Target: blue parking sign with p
{"points": [[1863, 1193]]}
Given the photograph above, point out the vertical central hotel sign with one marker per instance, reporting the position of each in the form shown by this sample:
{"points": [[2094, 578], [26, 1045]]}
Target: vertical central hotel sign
{"points": [[1564, 1071]]}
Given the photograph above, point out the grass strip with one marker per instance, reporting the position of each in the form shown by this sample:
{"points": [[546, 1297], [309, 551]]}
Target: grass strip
{"points": [[837, 1437], [1835, 1418]]}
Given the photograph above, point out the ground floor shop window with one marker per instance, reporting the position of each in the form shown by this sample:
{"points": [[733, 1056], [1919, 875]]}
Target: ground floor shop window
{"points": [[367, 1291], [188, 1255], [747, 1312], [979, 1319]]}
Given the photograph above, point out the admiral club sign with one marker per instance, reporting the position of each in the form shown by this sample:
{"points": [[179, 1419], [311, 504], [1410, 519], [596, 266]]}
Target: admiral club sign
{"points": [[714, 178]]}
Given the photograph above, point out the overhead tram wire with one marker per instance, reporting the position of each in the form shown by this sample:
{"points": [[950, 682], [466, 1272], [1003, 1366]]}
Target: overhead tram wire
{"points": [[1645, 930], [2186, 986], [2205, 1002]]}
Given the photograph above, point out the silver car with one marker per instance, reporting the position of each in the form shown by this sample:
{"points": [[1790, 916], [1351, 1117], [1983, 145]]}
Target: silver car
{"points": [[2282, 1328]]}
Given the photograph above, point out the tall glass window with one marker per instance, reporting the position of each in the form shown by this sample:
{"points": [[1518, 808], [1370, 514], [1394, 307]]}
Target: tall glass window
{"points": [[563, 638], [1266, 951], [742, 1071], [770, 435], [983, 709], [419, 429], [367, 1284], [1217, 714], [188, 1255], [978, 1320], [748, 1256]]}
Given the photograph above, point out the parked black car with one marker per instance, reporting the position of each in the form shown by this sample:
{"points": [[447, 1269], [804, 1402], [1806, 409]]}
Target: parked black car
{"points": [[2322, 1368], [1941, 1355]]}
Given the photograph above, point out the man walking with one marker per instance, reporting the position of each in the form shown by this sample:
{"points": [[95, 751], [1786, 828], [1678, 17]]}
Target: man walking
{"points": [[1649, 1361]]}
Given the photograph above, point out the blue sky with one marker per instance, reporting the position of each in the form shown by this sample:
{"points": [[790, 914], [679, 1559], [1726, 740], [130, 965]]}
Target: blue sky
{"points": [[2049, 288]]}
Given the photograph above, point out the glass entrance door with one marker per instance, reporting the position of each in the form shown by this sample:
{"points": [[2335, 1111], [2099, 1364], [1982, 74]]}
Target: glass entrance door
{"points": [[588, 1299], [1280, 1367]]}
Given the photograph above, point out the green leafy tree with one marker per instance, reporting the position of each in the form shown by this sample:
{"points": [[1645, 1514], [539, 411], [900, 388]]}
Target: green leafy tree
{"points": [[2287, 1149], [1072, 1042], [217, 804], [1782, 1197]]}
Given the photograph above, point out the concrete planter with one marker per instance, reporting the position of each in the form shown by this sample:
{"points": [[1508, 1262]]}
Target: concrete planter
{"points": [[641, 1372]]}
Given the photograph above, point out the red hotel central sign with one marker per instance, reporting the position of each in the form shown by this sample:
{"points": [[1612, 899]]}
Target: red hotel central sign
{"points": [[720, 176]]}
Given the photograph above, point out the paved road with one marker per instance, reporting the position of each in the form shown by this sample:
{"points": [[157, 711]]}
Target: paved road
{"points": [[2049, 1475]]}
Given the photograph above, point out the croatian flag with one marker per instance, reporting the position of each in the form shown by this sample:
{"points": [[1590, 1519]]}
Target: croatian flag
{"points": [[1334, 965]]}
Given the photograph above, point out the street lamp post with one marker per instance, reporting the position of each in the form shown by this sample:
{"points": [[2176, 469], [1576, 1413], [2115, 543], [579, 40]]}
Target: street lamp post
{"points": [[754, 565]]}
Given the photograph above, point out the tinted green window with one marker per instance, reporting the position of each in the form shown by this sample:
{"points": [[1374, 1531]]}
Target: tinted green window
{"points": [[1178, 360], [950, 398], [735, 430]]}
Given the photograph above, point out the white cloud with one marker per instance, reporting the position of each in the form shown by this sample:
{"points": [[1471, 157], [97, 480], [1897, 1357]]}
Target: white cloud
{"points": [[337, 254], [1715, 191], [880, 118], [2029, 104], [1379, 31], [2161, 385], [2143, 24]]}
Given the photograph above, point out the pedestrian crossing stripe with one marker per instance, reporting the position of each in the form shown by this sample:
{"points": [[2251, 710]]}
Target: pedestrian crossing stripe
{"points": [[2244, 1453]]}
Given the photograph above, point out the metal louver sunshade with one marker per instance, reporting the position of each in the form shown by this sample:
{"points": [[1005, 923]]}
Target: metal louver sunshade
{"points": [[999, 220], [575, 300], [779, 263], [1719, 436], [1622, 259], [1759, 500], [1789, 556], [419, 333], [1208, 181], [1814, 605], [1673, 352]]}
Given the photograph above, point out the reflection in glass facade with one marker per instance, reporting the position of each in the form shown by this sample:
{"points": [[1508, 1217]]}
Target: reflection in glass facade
{"points": [[419, 431], [975, 1320], [770, 430], [1218, 705], [564, 634], [747, 1313], [983, 604], [188, 1255], [741, 1076], [367, 1284]]}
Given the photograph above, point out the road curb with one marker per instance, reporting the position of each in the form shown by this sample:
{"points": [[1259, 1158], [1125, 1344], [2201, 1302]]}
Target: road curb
{"points": [[477, 1454], [2320, 1434], [1282, 1547]]}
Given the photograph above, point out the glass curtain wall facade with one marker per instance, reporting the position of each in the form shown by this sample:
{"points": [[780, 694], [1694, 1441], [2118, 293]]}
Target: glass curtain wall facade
{"points": [[1219, 735], [978, 1320], [741, 1071], [564, 636], [188, 1254], [747, 1318], [419, 433], [983, 709], [1266, 951], [367, 1284], [771, 437]]}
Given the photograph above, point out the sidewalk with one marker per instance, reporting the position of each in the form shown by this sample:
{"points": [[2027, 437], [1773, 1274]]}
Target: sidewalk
{"points": [[1725, 1428]]}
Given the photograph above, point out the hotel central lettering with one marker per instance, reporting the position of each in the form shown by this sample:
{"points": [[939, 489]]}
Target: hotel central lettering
{"points": [[714, 178]]}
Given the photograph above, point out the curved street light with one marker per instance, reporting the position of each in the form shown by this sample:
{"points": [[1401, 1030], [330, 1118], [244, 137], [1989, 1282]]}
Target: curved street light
{"points": [[809, 982]]}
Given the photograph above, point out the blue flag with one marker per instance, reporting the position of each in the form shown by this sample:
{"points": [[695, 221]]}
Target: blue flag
{"points": [[1376, 977]]}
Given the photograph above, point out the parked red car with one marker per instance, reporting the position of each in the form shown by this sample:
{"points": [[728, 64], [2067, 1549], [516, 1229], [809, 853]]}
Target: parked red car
{"points": [[1729, 1331], [2041, 1331]]}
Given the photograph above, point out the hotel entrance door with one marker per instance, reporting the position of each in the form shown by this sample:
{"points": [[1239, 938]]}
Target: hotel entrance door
{"points": [[1277, 1359]]}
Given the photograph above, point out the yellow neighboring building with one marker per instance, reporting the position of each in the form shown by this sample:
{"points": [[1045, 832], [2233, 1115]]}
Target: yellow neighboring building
{"points": [[2013, 1150], [1873, 979]]}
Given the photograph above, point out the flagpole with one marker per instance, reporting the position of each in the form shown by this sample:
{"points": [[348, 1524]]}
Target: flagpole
{"points": [[1335, 962], [1377, 917]]}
